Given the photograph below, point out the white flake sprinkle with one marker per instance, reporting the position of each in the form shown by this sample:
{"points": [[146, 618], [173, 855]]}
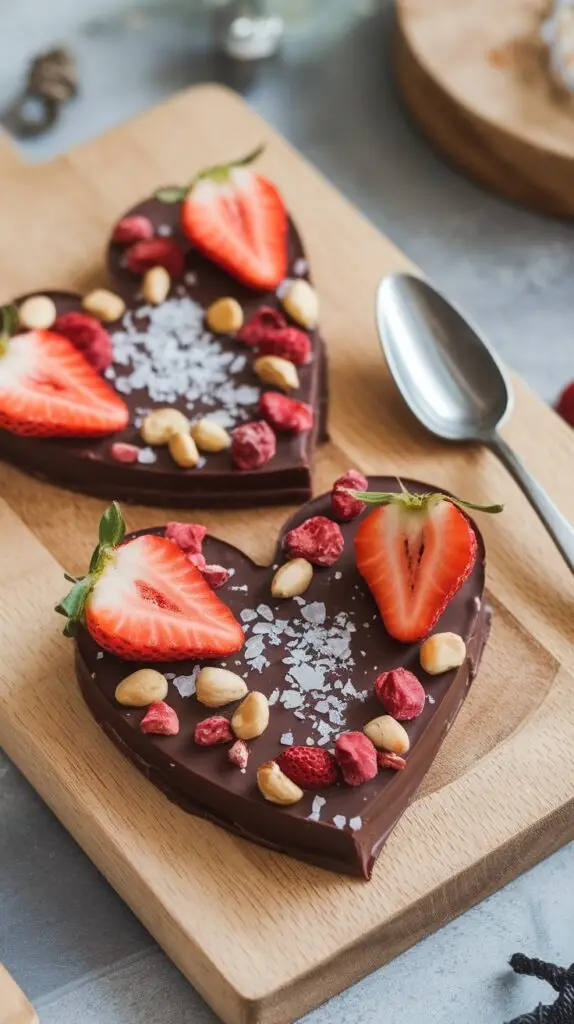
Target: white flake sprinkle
{"points": [[273, 698], [291, 699], [338, 575], [356, 823], [185, 685], [247, 614], [147, 456], [99, 655], [265, 612], [430, 699], [339, 821], [314, 613], [300, 267], [318, 803], [243, 587], [164, 230], [287, 739]]}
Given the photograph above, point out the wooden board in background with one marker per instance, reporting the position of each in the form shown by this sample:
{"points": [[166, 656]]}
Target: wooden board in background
{"points": [[474, 74], [262, 937], [14, 1007]]}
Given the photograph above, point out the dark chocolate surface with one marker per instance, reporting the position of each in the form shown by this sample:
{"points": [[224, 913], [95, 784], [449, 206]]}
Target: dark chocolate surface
{"points": [[86, 465], [336, 645]]}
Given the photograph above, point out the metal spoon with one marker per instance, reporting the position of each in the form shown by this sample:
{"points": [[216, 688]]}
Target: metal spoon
{"points": [[454, 383]]}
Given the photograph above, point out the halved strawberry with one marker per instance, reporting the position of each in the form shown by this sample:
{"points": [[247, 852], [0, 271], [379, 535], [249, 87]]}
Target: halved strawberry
{"points": [[48, 389], [237, 219], [144, 601], [415, 552]]}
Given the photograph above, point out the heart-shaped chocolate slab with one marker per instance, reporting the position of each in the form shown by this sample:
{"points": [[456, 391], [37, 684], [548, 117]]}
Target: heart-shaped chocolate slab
{"points": [[316, 658], [163, 356]]}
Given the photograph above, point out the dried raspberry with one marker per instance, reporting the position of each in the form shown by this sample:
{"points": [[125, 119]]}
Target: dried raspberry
{"points": [[264, 321], [188, 536], [356, 757], [215, 575], [309, 767], [238, 754], [252, 445], [156, 252], [344, 506], [286, 413], [289, 343], [198, 560], [318, 539], [132, 229], [122, 452], [401, 693], [213, 730], [87, 335], [386, 759], [160, 719]]}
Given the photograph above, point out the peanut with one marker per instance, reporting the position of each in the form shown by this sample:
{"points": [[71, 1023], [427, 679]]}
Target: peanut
{"points": [[442, 652], [210, 436], [251, 717], [161, 424], [146, 686], [183, 450], [278, 372], [224, 316], [301, 302], [37, 313], [275, 786], [387, 734], [217, 686], [155, 285], [292, 578], [103, 304]]}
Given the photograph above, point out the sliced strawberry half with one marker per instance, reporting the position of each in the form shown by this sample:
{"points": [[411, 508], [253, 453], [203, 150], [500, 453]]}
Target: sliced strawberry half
{"points": [[237, 219], [415, 552], [48, 389], [144, 601]]}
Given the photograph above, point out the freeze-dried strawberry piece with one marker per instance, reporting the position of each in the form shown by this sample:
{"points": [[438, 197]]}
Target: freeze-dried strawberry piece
{"points": [[308, 767], [197, 559], [160, 719], [263, 322], [122, 452], [215, 575], [188, 536], [286, 414], [156, 252], [238, 754], [356, 757], [318, 539], [213, 730], [87, 335], [132, 229], [401, 693], [343, 504], [289, 343], [386, 759], [252, 445]]}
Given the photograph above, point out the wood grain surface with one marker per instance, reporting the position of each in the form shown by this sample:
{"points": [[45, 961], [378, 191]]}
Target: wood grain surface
{"points": [[474, 76], [262, 937], [14, 1007]]}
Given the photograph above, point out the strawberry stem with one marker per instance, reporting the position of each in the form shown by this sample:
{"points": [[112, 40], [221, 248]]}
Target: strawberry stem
{"points": [[8, 324], [73, 605], [220, 172], [418, 501]]}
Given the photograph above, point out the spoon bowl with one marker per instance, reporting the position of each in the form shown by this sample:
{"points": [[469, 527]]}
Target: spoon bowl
{"points": [[454, 383], [446, 372]]}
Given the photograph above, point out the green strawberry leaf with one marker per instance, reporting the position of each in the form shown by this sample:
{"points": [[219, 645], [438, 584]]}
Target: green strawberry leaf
{"points": [[112, 527], [73, 605], [171, 194]]}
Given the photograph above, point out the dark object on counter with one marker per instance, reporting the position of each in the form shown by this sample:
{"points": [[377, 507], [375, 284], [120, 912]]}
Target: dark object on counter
{"points": [[561, 979], [51, 82]]}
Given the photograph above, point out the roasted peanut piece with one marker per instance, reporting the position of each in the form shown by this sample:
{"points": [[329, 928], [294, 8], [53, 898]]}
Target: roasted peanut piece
{"points": [[275, 786], [155, 285], [183, 450], [292, 578], [161, 424], [103, 304], [224, 316], [277, 372], [217, 686], [146, 686], [300, 301], [210, 436], [37, 313], [251, 717], [442, 652], [387, 734]]}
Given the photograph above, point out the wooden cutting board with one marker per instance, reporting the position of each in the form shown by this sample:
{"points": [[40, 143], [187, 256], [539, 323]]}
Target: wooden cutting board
{"points": [[262, 937], [14, 1007]]}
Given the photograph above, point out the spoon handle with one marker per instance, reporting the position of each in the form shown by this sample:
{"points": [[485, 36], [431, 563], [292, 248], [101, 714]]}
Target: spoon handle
{"points": [[558, 527]]}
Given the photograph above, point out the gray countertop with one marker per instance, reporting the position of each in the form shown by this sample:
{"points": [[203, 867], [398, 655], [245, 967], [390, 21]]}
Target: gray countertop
{"points": [[64, 934]]}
